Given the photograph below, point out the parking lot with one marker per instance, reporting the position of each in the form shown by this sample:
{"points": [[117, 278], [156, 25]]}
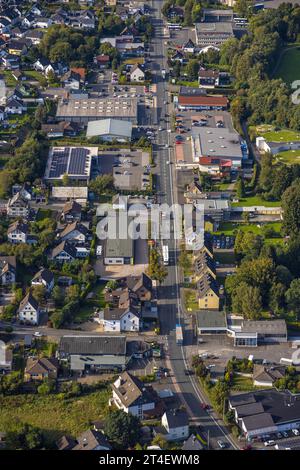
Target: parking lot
{"points": [[223, 242]]}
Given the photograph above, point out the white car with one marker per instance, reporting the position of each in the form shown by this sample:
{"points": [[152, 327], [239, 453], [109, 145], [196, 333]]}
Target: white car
{"points": [[160, 129], [37, 334], [221, 444], [295, 431]]}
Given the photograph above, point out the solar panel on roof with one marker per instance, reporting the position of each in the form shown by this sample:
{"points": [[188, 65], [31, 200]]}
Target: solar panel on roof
{"points": [[78, 159]]}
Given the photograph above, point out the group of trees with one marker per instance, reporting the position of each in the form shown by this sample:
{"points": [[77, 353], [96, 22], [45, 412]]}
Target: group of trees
{"points": [[156, 269]]}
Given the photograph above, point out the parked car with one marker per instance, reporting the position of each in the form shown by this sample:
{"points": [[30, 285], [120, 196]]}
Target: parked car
{"points": [[270, 443], [221, 444]]}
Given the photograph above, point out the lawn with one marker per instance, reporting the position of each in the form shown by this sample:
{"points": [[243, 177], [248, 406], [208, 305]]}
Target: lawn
{"points": [[54, 414], [255, 201], [4, 159], [44, 214], [226, 257], [287, 69], [241, 383], [270, 134], [89, 305], [229, 228], [37, 76], [10, 81], [289, 157], [190, 300]]}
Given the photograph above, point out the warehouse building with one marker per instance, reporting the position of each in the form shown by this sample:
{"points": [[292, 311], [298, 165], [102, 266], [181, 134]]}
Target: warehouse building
{"points": [[110, 130], [217, 143], [75, 162], [93, 109], [199, 102]]}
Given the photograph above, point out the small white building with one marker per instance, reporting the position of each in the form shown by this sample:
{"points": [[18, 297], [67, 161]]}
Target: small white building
{"points": [[137, 74], [29, 310], [17, 232], [176, 425]]}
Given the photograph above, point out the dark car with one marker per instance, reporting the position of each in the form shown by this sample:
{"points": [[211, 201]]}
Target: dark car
{"points": [[188, 372]]}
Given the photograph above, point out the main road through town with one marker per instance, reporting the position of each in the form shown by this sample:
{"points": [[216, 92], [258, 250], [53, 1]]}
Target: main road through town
{"points": [[170, 310]]}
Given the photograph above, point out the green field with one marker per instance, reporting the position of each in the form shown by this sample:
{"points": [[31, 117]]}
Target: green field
{"points": [[290, 157], [289, 65], [255, 201], [190, 298], [89, 305], [230, 228], [271, 135], [54, 414]]}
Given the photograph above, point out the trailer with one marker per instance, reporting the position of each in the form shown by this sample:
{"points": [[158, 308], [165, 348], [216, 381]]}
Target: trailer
{"points": [[179, 335]]}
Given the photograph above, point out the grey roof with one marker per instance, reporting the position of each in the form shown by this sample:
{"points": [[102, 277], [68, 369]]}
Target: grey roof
{"points": [[264, 327], [112, 127], [97, 108], [97, 345], [221, 27], [249, 409], [192, 443], [29, 299], [119, 248], [192, 91], [177, 418], [131, 391], [90, 440], [260, 421], [217, 142], [211, 319], [44, 274], [283, 406]]}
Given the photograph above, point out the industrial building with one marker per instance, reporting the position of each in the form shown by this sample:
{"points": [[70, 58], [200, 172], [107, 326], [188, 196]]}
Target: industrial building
{"points": [[110, 130], [216, 143], [75, 162], [92, 109]]}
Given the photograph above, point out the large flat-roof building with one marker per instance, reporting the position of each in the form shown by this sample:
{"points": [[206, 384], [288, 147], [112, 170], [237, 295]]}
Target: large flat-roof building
{"points": [[93, 109], [213, 34], [216, 143], [93, 352], [265, 411], [187, 102], [119, 251], [212, 16], [75, 162], [110, 130]]}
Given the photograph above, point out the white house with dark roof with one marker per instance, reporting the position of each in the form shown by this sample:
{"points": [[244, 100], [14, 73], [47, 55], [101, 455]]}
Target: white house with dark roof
{"points": [[44, 278], [17, 206], [65, 251], [174, 425], [18, 232], [29, 310], [75, 233], [124, 317], [8, 269]]}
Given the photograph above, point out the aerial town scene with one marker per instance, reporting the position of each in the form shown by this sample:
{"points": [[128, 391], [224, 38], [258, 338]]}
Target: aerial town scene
{"points": [[150, 226]]}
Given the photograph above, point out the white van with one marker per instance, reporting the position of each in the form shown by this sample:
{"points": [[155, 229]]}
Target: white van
{"points": [[269, 443]]}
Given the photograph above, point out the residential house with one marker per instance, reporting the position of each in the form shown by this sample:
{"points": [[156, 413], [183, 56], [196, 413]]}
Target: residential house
{"points": [[14, 106], [93, 353], [137, 74], [39, 369], [123, 317], [34, 36], [71, 212], [18, 46], [42, 23], [44, 278], [174, 425], [18, 206], [8, 270], [132, 396], [189, 47], [65, 251], [75, 233], [61, 129], [29, 310], [92, 440], [266, 376], [18, 232], [6, 360], [208, 293], [10, 62], [102, 61], [44, 66], [192, 443], [71, 80]]}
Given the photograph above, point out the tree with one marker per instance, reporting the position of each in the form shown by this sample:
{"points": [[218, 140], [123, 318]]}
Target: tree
{"points": [[58, 296], [247, 301], [192, 69], [240, 188], [46, 387], [160, 441], [156, 270], [73, 292], [101, 184], [291, 208], [112, 284], [292, 297], [11, 383], [23, 437], [122, 429], [39, 293]]}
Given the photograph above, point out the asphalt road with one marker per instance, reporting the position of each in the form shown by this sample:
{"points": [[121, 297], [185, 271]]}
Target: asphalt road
{"points": [[169, 293]]}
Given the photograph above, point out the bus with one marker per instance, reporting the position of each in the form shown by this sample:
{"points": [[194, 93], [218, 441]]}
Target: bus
{"points": [[179, 334], [174, 26], [165, 252]]}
